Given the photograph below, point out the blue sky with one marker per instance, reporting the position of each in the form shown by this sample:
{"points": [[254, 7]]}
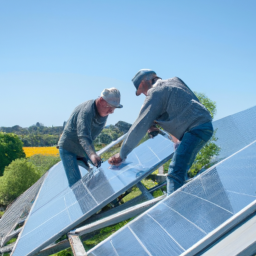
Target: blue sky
{"points": [[57, 54]]}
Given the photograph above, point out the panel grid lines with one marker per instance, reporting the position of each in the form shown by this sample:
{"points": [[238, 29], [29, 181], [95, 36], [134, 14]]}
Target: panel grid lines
{"points": [[67, 208], [89, 192], [184, 218], [114, 248], [240, 193], [165, 231], [207, 201], [143, 246], [154, 153]]}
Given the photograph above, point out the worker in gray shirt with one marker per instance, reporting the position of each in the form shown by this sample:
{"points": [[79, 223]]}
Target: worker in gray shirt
{"points": [[172, 105], [84, 125]]}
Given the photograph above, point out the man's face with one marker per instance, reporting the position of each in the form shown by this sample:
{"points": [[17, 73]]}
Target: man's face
{"points": [[105, 108], [143, 87]]}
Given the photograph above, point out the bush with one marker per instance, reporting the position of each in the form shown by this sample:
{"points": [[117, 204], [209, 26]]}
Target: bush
{"points": [[10, 149], [17, 178], [43, 162]]}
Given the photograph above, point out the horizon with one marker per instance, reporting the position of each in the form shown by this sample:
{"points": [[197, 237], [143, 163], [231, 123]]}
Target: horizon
{"points": [[112, 123]]}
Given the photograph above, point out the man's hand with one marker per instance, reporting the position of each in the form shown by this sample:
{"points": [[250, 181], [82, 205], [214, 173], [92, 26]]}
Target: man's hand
{"points": [[175, 141], [153, 131], [115, 159], [96, 160]]}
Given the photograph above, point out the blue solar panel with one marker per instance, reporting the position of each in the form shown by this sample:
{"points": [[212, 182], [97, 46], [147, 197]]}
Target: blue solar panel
{"points": [[190, 213], [235, 132], [59, 208]]}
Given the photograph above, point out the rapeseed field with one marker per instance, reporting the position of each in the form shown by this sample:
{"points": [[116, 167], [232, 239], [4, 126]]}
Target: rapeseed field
{"points": [[30, 151]]}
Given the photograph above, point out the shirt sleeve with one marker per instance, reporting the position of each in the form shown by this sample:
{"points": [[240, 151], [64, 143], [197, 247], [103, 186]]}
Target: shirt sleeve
{"points": [[84, 122], [150, 110]]}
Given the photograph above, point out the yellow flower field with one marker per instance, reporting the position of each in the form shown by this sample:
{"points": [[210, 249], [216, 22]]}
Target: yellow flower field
{"points": [[30, 151]]}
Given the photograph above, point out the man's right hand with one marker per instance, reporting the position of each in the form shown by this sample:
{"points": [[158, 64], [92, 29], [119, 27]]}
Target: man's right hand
{"points": [[115, 160], [96, 160]]}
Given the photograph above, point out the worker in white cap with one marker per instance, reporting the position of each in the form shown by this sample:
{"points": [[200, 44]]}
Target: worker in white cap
{"points": [[84, 125]]}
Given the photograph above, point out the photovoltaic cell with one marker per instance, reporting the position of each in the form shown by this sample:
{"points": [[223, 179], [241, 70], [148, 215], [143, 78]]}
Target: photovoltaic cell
{"points": [[178, 222], [59, 208], [235, 132]]}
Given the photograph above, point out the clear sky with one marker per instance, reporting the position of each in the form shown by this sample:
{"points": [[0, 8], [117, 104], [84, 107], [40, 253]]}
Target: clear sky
{"points": [[57, 54]]}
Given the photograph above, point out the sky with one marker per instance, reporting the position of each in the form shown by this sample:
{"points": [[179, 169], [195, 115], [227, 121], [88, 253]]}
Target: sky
{"points": [[57, 54]]}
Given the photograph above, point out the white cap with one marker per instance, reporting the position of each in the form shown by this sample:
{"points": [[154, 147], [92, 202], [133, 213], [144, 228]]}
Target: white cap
{"points": [[112, 96]]}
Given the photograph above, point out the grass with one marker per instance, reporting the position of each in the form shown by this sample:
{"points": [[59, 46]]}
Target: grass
{"points": [[43, 162], [11, 241], [1, 214]]}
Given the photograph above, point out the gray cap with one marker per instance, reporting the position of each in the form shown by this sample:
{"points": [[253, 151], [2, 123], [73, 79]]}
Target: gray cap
{"points": [[112, 96], [139, 77]]}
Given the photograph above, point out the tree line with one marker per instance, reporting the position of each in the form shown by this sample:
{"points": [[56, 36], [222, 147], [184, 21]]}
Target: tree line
{"points": [[39, 135]]}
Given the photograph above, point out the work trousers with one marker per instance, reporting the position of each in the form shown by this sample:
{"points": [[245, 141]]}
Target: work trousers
{"points": [[70, 162], [185, 154]]}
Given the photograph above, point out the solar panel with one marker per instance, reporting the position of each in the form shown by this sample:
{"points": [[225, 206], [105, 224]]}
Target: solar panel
{"points": [[190, 213], [59, 208], [235, 132]]}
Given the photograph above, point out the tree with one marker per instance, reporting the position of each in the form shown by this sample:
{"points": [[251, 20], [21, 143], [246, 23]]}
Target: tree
{"points": [[10, 149], [206, 154], [17, 178], [209, 104]]}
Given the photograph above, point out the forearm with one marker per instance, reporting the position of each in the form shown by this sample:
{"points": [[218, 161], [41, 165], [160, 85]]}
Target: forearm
{"points": [[136, 133], [87, 145]]}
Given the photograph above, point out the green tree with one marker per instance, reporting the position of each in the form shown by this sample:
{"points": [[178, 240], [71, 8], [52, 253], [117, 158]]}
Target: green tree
{"points": [[209, 104], [206, 154], [10, 149], [17, 178]]}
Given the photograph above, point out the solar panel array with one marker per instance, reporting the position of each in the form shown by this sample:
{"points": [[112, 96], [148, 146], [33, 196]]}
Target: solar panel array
{"points": [[233, 133], [18, 210], [59, 208], [189, 214]]}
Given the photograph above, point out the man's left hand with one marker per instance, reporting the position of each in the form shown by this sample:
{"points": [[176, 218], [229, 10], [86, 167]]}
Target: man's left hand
{"points": [[153, 131], [115, 159]]}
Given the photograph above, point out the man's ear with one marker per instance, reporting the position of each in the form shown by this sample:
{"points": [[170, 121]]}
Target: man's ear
{"points": [[101, 100]]}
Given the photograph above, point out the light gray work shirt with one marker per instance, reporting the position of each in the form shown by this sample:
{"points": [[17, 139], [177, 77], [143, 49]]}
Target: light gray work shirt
{"points": [[171, 104], [83, 126]]}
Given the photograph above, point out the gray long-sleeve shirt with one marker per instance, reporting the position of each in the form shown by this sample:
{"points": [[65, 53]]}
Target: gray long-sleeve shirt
{"points": [[172, 105], [83, 126]]}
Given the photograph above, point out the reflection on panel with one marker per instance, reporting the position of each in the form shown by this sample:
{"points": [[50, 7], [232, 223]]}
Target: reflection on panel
{"points": [[235, 132], [189, 214], [60, 208]]}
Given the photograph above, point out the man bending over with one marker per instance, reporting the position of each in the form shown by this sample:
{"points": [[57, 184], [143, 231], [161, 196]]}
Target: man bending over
{"points": [[172, 105]]}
